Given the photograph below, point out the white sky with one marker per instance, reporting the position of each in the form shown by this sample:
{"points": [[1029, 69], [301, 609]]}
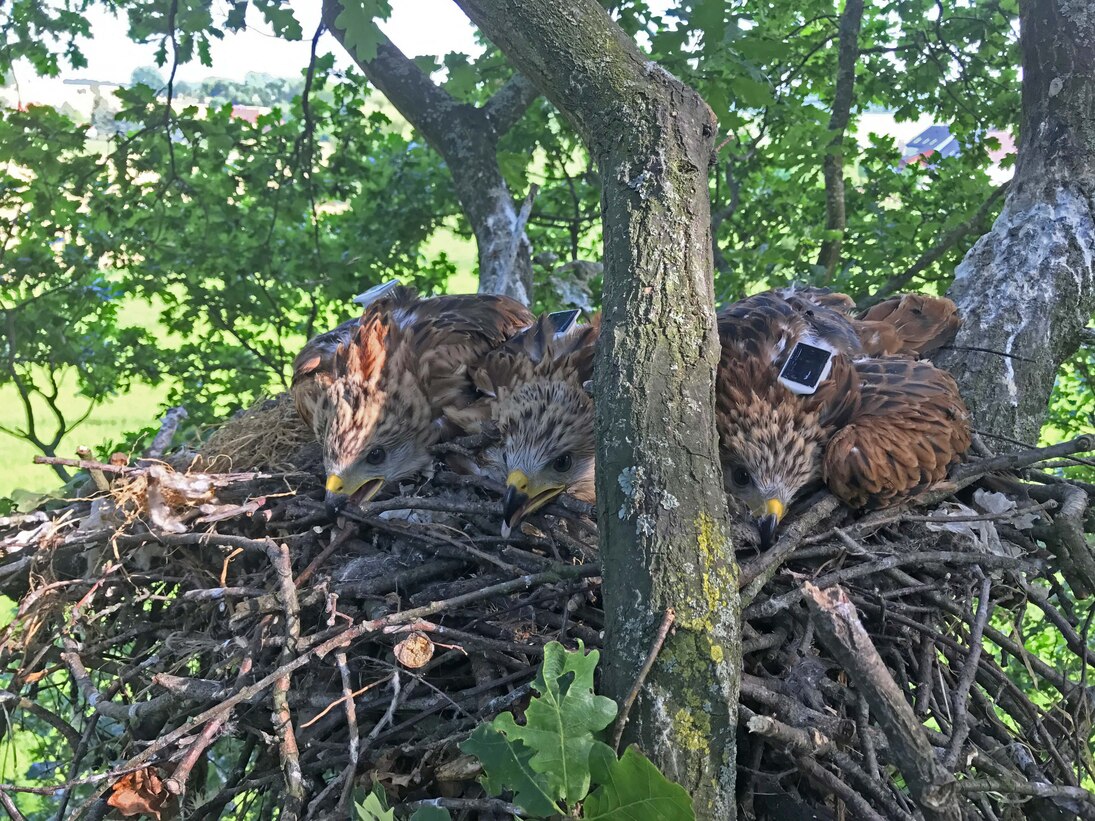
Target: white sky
{"points": [[418, 27]]}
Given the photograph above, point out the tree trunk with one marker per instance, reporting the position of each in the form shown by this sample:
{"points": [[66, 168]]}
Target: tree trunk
{"points": [[466, 137], [662, 511], [1027, 288]]}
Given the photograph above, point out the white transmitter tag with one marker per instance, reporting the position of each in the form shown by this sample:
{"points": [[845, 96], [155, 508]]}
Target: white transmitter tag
{"points": [[806, 368]]}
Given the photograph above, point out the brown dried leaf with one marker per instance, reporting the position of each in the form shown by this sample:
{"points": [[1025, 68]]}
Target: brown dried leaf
{"points": [[414, 651], [137, 793]]}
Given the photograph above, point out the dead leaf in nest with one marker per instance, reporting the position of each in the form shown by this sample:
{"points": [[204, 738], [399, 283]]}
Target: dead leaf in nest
{"points": [[391, 779], [172, 497], [462, 768], [140, 792], [414, 651]]}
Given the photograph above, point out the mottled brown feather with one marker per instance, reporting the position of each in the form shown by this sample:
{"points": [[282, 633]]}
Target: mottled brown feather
{"points": [[388, 377], [910, 425], [913, 324], [534, 395], [875, 430]]}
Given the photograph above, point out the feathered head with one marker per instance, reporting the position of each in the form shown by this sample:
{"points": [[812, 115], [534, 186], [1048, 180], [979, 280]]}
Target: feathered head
{"points": [[547, 446], [544, 414], [376, 425], [771, 441]]}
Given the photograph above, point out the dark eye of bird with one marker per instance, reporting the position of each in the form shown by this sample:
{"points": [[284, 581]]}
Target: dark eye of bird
{"points": [[740, 477], [376, 456], [562, 463]]}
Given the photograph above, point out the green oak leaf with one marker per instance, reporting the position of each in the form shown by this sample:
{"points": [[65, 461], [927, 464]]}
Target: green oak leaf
{"points": [[560, 723], [373, 807], [431, 814], [632, 789], [506, 766], [358, 20]]}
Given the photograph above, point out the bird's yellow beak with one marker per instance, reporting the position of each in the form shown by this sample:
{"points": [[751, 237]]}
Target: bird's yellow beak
{"points": [[773, 512], [518, 481], [358, 492], [522, 497]]}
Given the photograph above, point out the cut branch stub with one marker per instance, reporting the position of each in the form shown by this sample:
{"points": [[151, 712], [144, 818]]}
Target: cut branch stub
{"points": [[837, 624]]}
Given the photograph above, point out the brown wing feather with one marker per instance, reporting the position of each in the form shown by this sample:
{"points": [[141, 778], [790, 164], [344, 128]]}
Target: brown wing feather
{"points": [[913, 324], [436, 338], [909, 426], [313, 368]]}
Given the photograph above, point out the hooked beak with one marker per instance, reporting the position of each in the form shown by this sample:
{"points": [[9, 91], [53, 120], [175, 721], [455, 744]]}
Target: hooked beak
{"points": [[522, 498], [767, 524], [339, 494]]}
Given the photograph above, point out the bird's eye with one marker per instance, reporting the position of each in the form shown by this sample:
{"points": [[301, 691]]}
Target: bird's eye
{"points": [[740, 477], [562, 463], [376, 456]]}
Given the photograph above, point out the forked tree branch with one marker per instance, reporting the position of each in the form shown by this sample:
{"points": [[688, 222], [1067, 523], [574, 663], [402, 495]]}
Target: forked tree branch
{"points": [[466, 137], [838, 626]]}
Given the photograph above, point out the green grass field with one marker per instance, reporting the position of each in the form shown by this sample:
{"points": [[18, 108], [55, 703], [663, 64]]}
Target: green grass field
{"points": [[143, 404]]}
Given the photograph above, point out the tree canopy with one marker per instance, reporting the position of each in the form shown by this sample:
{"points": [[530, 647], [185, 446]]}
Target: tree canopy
{"points": [[245, 237]]}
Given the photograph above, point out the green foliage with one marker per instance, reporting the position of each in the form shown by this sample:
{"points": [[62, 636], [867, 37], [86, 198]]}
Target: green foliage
{"points": [[255, 89], [246, 238], [632, 789], [551, 761], [374, 806], [358, 19]]}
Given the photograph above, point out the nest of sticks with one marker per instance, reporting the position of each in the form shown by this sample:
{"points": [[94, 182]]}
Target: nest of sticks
{"points": [[211, 645]]}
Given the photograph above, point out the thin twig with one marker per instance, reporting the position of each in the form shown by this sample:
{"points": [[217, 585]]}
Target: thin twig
{"points": [[960, 726], [629, 702]]}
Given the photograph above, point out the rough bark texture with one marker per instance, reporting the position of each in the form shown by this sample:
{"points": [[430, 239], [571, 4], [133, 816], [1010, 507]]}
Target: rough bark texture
{"points": [[466, 137], [836, 219], [1027, 288], [662, 511]]}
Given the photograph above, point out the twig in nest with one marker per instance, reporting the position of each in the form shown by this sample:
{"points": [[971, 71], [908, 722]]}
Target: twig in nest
{"points": [[629, 702], [828, 781], [389, 714], [347, 697], [960, 726], [282, 717], [840, 630], [176, 784], [1014, 461]]}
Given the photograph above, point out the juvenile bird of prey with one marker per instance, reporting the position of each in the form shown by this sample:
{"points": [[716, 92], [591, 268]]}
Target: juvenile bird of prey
{"points": [[808, 393], [376, 389], [535, 394]]}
